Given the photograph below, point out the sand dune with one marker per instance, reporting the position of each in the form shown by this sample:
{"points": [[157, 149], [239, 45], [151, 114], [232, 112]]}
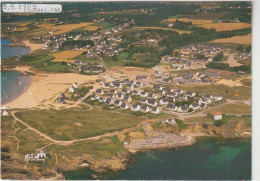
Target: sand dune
{"points": [[46, 87]]}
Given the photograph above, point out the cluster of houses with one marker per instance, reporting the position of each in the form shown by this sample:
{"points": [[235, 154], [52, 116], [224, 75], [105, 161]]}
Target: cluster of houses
{"points": [[243, 55], [86, 67], [202, 49], [198, 77], [123, 93], [62, 96], [147, 41], [177, 62], [40, 156], [108, 48]]}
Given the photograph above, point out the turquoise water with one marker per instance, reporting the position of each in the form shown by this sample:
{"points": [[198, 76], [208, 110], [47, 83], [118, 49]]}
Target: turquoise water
{"points": [[12, 82], [7, 51], [209, 158]]}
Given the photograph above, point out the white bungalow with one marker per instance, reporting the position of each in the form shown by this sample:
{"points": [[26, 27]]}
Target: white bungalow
{"points": [[218, 98], [5, 112], [135, 107], [124, 106], [117, 102], [106, 85], [155, 110], [164, 101], [145, 108], [127, 98], [71, 89], [170, 121], [29, 157], [40, 155]]}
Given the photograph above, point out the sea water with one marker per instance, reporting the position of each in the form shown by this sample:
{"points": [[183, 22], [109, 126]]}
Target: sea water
{"points": [[210, 158], [13, 83]]}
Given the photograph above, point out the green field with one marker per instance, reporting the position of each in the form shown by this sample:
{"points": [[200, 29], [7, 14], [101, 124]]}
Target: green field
{"points": [[123, 55], [198, 119], [238, 108], [83, 58], [70, 124]]}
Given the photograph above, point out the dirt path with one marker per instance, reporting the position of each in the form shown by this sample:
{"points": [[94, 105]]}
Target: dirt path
{"points": [[75, 140], [231, 61]]}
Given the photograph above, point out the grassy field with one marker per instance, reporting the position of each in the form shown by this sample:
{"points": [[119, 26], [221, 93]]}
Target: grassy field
{"points": [[84, 58], [232, 109], [123, 55], [215, 89], [66, 56], [198, 119], [18, 141], [225, 26], [161, 28], [73, 124], [245, 40], [59, 29], [193, 21]]}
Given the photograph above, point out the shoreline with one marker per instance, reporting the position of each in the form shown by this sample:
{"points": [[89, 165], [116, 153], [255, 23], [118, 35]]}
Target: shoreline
{"points": [[22, 70], [193, 135], [32, 46]]}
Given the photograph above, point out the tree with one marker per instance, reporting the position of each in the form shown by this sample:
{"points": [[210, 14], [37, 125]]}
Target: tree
{"points": [[240, 48], [176, 53], [248, 49], [115, 58], [190, 110], [218, 57]]}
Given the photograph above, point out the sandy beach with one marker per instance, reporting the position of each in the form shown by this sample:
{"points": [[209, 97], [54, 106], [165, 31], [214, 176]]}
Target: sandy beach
{"points": [[32, 46], [45, 88]]}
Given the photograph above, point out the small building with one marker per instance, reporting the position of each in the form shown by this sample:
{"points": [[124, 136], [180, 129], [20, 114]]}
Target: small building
{"points": [[106, 85], [41, 155], [5, 113], [124, 106], [135, 107], [29, 157], [145, 108], [217, 116], [71, 89], [170, 121], [155, 110]]}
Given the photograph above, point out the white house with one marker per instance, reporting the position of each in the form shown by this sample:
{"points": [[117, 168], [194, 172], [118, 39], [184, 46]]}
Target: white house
{"points": [[117, 102], [124, 106], [29, 157], [155, 110], [106, 85], [217, 116], [145, 108], [218, 98], [170, 121], [164, 101], [71, 89], [40, 155], [135, 107], [127, 98], [5, 112]]}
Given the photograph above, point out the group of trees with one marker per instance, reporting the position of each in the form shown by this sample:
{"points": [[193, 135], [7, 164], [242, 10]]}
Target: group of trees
{"points": [[241, 49], [223, 66], [218, 57]]}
